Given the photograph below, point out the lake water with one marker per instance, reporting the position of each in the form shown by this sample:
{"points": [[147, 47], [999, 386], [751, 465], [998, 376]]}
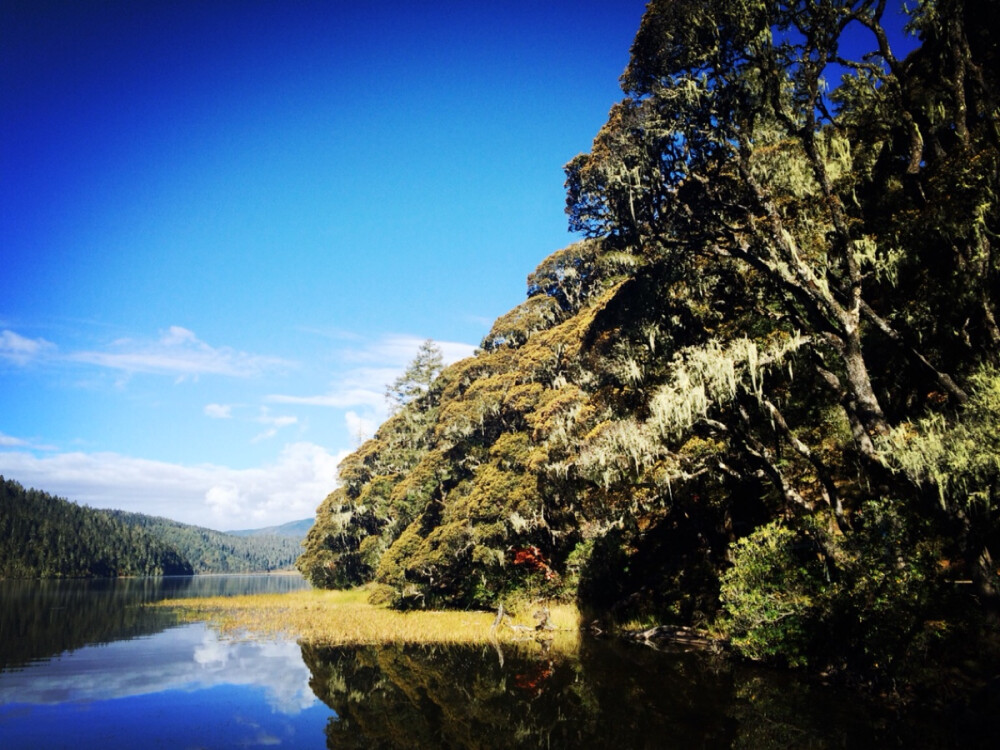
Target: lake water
{"points": [[84, 665]]}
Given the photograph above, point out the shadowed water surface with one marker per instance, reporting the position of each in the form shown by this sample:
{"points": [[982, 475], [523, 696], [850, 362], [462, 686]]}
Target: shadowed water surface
{"points": [[608, 695], [86, 666]]}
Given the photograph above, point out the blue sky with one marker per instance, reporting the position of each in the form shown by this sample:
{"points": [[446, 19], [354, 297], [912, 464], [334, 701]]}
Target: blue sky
{"points": [[225, 226]]}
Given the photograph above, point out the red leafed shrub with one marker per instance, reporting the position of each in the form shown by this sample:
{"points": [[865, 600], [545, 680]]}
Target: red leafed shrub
{"points": [[532, 558]]}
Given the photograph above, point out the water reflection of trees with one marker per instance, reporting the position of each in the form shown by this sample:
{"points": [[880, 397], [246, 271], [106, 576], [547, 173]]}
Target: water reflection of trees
{"points": [[40, 619], [464, 697], [607, 695]]}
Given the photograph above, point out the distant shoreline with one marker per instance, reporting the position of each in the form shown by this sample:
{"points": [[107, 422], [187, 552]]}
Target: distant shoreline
{"points": [[291, 573]]}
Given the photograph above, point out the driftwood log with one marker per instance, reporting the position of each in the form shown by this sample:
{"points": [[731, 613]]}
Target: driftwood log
{"points": [[543, 618], [680, 636]]}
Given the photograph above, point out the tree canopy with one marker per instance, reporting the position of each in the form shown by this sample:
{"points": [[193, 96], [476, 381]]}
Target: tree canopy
{"points": [[761, 395], [42, 536], [417, 379]]}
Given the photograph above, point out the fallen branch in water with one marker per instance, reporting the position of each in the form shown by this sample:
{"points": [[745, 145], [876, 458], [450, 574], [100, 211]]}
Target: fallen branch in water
{"points": [[680, 635]]}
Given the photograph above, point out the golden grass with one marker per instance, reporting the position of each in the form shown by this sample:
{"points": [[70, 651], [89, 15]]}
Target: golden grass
{"points": [[337, 618]]}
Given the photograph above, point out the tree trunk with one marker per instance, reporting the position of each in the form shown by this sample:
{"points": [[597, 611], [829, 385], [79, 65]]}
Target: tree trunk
{"points": [[859, 385]]}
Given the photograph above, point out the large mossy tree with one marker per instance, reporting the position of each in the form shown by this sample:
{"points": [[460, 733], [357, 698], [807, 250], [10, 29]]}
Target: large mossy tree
{"points": [[762, 393]]}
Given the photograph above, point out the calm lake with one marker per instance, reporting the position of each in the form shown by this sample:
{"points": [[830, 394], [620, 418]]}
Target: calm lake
{"points": [[84, 665]]}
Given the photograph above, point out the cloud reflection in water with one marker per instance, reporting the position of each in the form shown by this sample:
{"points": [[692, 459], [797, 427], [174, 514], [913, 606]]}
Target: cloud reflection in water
{"points": [[188, 658]]}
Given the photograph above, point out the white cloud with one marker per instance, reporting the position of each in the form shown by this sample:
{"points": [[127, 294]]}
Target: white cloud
{"points": [[224, 499], [9, 441], [219, 411], [180, 352], [266, 418], [20, 350], [453, 351], [274, 424], [360, 428], [287, 489], [177, 336], [396, 351], [370, 369], [342, 394]]}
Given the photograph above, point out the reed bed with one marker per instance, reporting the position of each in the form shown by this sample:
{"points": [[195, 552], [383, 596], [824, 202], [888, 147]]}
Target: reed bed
{"points": [[337, 618]]}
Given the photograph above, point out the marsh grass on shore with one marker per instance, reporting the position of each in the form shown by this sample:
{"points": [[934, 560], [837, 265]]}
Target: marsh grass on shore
{"points": [[347, 618]]}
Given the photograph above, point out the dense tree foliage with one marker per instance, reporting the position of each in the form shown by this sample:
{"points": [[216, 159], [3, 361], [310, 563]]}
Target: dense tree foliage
{"points": [[763, 394], [42, 536], [210, 551], [47, 537]]}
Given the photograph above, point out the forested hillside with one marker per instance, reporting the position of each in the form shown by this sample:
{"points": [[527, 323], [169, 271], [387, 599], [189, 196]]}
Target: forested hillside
{"points": [[761, 395], [293, 529], [42, 536], [211, 551]]}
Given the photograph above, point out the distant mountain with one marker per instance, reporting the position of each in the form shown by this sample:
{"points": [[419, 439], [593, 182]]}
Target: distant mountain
{"points": [[292, 529], [43, 536], [212, 551]]}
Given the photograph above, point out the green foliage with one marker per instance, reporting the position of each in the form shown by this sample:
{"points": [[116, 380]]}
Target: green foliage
{"points": [[770, 595], [48, 537], [384, 484], [42, 536], [960, 457], [711, 375], [417, 379], [785, 302], [513, 329], [332, 557], [891, 604], [209, 551], [577, 274], [874, 601]]}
